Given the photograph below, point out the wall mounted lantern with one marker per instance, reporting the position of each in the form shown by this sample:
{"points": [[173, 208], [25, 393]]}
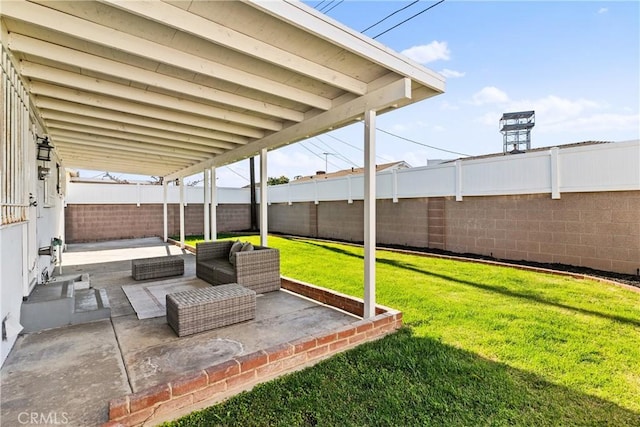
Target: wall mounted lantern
{"points": [[44, 148]]}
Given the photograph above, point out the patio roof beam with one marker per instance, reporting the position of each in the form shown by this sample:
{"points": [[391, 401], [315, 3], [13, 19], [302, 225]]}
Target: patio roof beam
{"points": [[123, 168], [102, 101], [107, 144], [198, 26], [158, 139], [118, 104], [86, 61], [64, 23], [379, 99], [59, 77], [65, 111], [115, 159], [126, 156]]}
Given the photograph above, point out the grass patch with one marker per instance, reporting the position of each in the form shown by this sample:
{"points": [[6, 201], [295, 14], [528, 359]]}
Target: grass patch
{"points": [[485, 345]]}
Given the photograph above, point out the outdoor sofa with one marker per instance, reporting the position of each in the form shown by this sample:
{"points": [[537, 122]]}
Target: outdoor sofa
{"points": [[257, 269]]}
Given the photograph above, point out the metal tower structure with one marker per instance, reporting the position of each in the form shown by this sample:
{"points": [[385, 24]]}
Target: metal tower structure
{"points": [[516, 130]]}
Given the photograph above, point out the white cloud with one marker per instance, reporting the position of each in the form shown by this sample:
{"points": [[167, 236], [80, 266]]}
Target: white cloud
{"points": [[490, 119], [448, 106], [452, 73], [553, 108], [603, 10], [489, 95], [426, 53], [596, 122]]}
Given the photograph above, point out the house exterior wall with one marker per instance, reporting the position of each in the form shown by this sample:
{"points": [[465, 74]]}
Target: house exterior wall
{"points": [[94, 222], [30, 208]]}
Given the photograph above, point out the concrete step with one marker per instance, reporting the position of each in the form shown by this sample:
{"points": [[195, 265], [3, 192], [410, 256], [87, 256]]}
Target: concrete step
{"points": [[66, 301], [91, 304]]}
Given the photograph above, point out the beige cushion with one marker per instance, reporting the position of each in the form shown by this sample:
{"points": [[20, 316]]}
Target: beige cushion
{"points": [[246, 247], [236, 247]]}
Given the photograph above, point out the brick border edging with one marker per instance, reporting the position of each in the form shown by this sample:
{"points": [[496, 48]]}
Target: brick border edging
{"points": [[208, 386]]}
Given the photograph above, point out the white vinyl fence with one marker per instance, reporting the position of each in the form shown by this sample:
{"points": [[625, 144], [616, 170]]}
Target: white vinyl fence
{"points": [[583, 168]]}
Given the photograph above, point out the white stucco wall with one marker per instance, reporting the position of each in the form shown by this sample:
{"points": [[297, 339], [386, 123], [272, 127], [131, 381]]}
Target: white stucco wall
{"points": [[11, 278]]}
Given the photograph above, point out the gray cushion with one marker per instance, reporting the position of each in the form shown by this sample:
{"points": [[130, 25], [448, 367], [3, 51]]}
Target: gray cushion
{"points": [[236, 247], [246, 247]]}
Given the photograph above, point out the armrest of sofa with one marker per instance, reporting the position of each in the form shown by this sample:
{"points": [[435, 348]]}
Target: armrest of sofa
{"points": [[260, 260], [212, 250]]}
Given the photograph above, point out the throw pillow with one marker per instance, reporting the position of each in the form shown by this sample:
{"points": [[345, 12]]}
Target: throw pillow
{"points": [[246, 247], [236, 247]]}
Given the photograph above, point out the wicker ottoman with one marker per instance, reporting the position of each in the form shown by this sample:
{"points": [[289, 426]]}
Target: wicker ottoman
{"points": [[199, 310], [151, 268]]}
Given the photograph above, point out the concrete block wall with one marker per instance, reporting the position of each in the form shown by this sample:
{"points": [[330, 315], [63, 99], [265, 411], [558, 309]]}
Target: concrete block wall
{"points": [[596, 230], [298, 219], [86, 223], [403, 223]]}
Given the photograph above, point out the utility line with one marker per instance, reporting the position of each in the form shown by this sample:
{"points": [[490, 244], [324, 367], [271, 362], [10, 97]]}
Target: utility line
{"points": [[237, 173], [420, 143], [319, 4], [327, 5], [408, 19], [390, 15], [337, 4], [318, 155], [357, 148], [340, 155]]}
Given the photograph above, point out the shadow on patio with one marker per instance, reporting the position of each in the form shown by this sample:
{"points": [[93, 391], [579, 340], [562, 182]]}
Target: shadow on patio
{"points": [[134, 370]]}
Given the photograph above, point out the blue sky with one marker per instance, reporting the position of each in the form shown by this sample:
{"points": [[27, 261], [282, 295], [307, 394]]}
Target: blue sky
{"points": [[577, 64]]}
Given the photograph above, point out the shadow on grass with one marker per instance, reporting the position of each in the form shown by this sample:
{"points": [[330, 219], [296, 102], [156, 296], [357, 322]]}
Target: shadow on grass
{"points": [[491, 288], [407, 380]]}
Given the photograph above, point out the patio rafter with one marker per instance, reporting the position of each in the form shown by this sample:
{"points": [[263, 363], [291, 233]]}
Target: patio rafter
{"points": [[85, 61], [60, 78], [181, 19], [138, 133]]}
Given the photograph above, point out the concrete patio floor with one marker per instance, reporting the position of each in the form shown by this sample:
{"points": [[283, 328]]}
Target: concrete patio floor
{"points": [[68, 375]]}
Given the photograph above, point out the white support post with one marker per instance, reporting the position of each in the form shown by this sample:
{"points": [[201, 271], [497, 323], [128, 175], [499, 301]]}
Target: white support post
{"points": [[164, 211], [369, 214], [349, 189], [263, 197], [555, 173], [315, 192], [181, 212], [458, 180], [395, 185], [139, 194], [213, 207], [205, 203]]}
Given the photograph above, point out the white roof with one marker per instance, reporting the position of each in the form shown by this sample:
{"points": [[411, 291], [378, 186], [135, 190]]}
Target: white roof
{"points": [[169, 88]]}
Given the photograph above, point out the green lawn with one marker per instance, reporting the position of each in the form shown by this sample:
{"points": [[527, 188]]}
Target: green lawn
{"points": [[484, 345]]}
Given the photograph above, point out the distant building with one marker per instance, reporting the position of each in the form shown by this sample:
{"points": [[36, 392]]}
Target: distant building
{"points": [[353, 171]]}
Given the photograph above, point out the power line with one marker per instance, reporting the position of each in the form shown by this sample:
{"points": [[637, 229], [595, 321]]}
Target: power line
{"points": [[357, 148], [318, 155], [239, 174], [420, 143], [340, 155], [408, 19], [327, 5], [319, 4], [337, 4], [390, 15]]}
